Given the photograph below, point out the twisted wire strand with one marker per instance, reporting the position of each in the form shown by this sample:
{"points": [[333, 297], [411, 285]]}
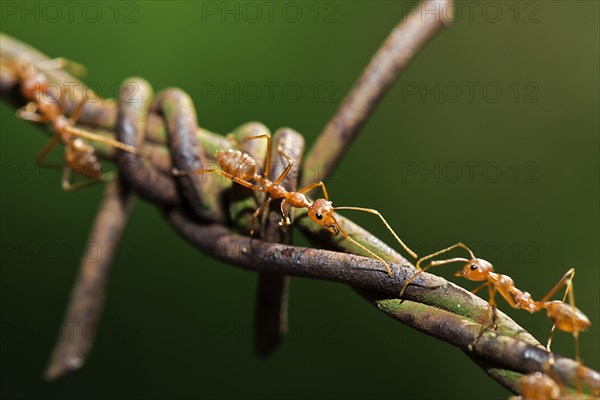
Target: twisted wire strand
{"points": [[431, 304]]}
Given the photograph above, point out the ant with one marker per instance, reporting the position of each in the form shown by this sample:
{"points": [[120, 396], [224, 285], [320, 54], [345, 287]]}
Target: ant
{"points": [[80, 156], [564, 316], [244, 170], [541, 386], [538, 386]]}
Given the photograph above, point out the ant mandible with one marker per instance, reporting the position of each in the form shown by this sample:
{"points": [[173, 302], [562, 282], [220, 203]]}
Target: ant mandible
{"points": [[244, 170]]}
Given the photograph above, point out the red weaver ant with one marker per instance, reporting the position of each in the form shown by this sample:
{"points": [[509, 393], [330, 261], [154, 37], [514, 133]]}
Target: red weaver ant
{"points": [[244, 170], [80, 156], [564, 316]]}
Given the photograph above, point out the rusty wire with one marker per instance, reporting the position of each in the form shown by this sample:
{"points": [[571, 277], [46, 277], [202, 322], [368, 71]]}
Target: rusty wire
{"points": [[87, 298], [166, 125]]}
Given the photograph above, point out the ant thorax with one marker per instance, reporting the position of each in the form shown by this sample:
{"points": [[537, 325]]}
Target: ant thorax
{"points": [[298, 200], [505, 281]]}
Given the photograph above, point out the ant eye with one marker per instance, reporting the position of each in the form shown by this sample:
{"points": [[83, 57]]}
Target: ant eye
{"points": [[319, 216], [473, 267]]}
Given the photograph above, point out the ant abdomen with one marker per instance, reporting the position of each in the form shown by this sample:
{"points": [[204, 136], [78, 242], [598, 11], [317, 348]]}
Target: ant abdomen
{"points": [[238, 164], [81, 157], [566, 317]]}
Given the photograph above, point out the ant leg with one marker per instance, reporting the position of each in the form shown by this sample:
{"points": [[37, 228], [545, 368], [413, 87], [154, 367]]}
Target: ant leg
{"points": [[287, 168], [447, 249], [508, 299], [478, 288], [46, 149], [492, 290], [284, 213], [314, 185], [28, 113], [242, 182], [437, 263], [491, 306], [71, 187], [77, 111], [101, 139], [565, 280], [62, 103], [31, 116], [66, 178], [387, 266], [505, 296], [258, 211], [571, 293], [375, 212], [495, 318], [432, 264]]}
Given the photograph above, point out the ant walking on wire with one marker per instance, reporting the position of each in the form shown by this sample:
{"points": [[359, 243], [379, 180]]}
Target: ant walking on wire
{"points": [[244, 170], [541, 386], [80, 156], [564, 316]]}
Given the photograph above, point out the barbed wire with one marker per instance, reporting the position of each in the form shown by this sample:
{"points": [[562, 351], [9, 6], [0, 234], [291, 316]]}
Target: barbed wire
{"points": [[166, 126]]}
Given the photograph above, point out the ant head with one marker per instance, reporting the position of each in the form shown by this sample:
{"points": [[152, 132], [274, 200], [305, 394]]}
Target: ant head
{"points": [[321, 212], [477, 269]]}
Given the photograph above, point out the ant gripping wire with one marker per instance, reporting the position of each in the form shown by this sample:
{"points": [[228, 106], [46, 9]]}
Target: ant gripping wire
{"points": [[424, 299]]}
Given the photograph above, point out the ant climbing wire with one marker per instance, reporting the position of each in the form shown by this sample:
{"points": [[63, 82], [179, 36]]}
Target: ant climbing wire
{"points": [[564, 316], [538, 386], [241, 168], [43, 108], [541, 386]]}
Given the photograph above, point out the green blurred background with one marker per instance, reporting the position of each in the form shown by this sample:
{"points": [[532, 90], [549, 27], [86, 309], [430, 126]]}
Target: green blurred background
{"points": [[170, 328]]}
